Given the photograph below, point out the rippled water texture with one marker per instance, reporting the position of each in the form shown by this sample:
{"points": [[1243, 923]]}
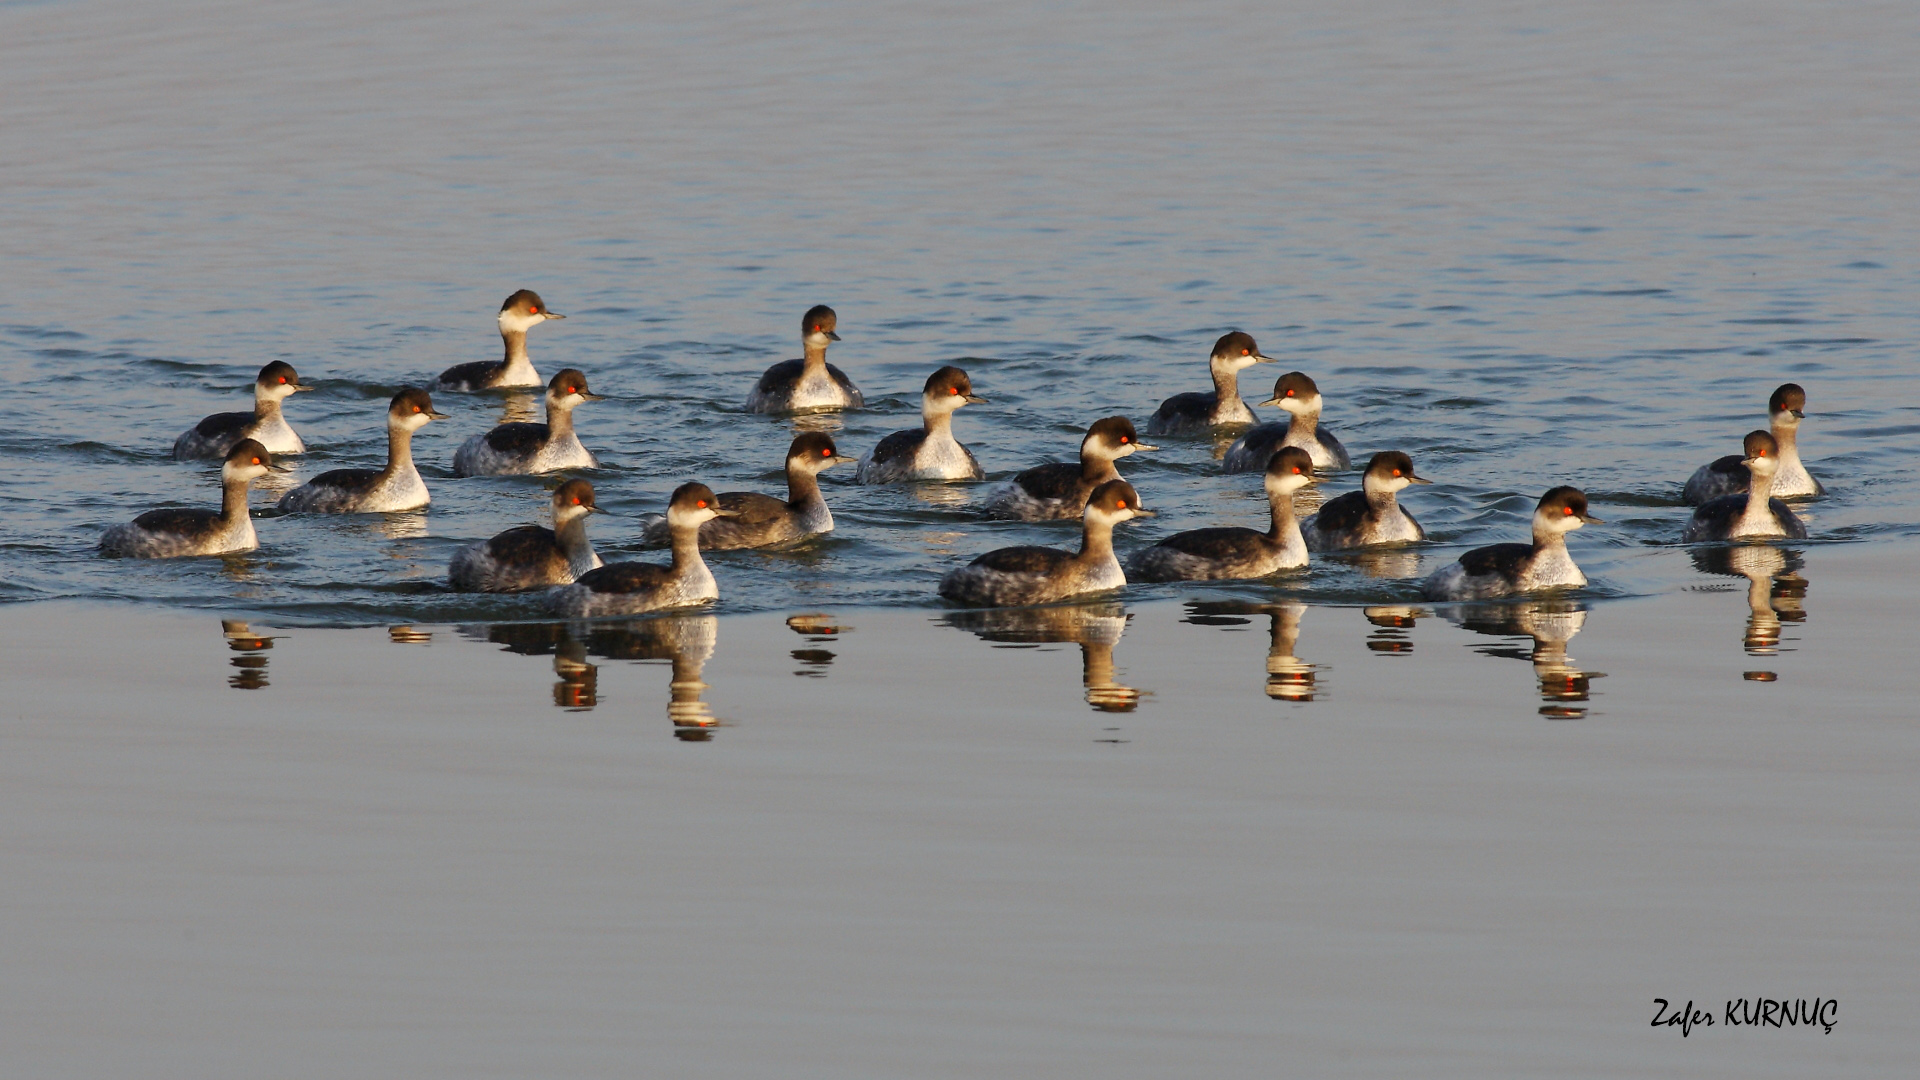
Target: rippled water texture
{"points": [[1528, 244]]}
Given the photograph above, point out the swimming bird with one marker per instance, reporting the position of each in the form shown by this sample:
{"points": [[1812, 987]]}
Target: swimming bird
{"points": [[1232, 552], [371, 491], [521, 312], [524, 448], [217, 435], [1296, 394], [1371, 515], [928, 452], [1728, 475], [1196, 413], [1060, 491], [763, 520], [529, 556], [1754, 512], [1509, 569], [631, 588], [177, 531], [1036, 575], [808, 384]]}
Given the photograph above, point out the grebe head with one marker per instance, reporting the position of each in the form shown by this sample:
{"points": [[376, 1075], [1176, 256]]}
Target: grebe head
{"points": [[948, 389], [1288, 470], [1562, 510], [411, 409], [814, 451], [816, 326], [1762, 453], [1112, 438], [693, 505], [1114, 502], [1392, 470], [1295, 393], [569, 388], [278, 380], [573, 499], [524, 310], [248, 460], [1235, 351], [1787, 405]]}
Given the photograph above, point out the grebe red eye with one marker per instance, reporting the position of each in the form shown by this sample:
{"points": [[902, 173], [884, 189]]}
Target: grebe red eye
{"points": [[1246, 352], [283, 378], [702, 504], [576, 500], [1289, 393], [416, 408], [573, 389], [1569, 511], [1123, 504], [256, 461], [953, 390], [824, 452], [1296, 470], [533, 309], [1123, 438]]}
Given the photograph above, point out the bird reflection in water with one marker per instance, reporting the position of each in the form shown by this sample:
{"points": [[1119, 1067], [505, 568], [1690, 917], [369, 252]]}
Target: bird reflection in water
{"points": [[517, 407], [818, 630], [1289, 678], [685, 641], [1551, 624], [407, 635], [1392, 633], [1386, 564], [252, 661], [1776, 594], [1096, 628]]}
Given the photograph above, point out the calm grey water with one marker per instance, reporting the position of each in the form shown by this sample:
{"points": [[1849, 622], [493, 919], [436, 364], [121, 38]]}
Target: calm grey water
{"points": [[1529, 244]]}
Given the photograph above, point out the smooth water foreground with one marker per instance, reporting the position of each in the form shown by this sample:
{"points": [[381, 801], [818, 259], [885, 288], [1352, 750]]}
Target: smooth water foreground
{"points": [[1213, 827], [1179, 839]]}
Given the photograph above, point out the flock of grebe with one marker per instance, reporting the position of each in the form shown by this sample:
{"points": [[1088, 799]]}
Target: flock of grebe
{"points": [[1737, 497]]}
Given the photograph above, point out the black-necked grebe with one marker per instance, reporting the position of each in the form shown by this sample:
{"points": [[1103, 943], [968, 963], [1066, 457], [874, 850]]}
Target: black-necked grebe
{"points": [[1371, 515], [808, 384], [1036, 575], [632, 588], [1509, 569], [171, 533], [1197, 413], [372, 491], [928, 452], [523, 448], [521, 312], [1729, 476], [529, 556], [1059, 492], [763, 520], [1295, 394], [1754, 512], [1232, 552], [217, 435]]}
